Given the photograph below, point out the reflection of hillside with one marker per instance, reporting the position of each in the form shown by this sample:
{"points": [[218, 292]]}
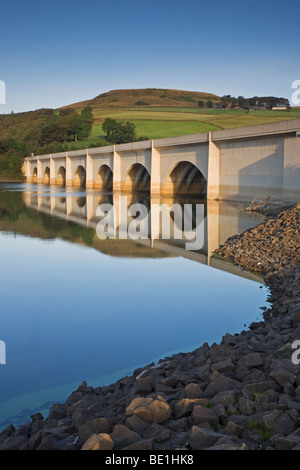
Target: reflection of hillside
{"points": [[17, 218]]}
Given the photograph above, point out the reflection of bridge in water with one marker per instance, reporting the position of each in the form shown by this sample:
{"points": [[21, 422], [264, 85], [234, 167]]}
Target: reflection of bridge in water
{"points": [[222, 220]]}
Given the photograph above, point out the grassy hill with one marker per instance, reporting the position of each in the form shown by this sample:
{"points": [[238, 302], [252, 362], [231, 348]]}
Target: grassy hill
{"points": [[159, 113], [146, 97], [156, 113]]}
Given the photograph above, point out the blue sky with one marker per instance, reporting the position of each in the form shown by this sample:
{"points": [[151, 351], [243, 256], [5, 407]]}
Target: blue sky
{"points": [[59, 52]]}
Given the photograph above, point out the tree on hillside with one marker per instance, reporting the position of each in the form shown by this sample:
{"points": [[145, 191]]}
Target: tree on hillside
{"points": [[201, 104], [209, 104], [55, 131], [81, 125], [87, 114], [119, 132], [12, 155]]}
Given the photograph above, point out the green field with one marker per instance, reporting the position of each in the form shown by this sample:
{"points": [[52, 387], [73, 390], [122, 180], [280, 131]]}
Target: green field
{"points": [[156, 123]]}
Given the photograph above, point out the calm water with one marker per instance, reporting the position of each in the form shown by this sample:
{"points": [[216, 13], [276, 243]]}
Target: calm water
{"points": [[75, 307]]}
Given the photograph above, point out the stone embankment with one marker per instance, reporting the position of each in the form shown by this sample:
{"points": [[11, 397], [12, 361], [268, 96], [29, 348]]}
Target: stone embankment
{"points": [[243, 393]]}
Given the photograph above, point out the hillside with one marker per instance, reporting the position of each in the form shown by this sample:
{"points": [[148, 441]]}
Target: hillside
{"points": [[146, 97], [155, 113]]}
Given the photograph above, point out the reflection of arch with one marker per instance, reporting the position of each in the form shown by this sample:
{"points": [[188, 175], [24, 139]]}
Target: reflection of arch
{"points": [[46, 177], [104, 178], [137, 179], [61, 176], [34, 175], [185, 179], [79, 177]]}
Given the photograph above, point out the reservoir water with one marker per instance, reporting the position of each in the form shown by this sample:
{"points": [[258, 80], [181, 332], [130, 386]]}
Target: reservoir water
{"points": [[75, 306]]}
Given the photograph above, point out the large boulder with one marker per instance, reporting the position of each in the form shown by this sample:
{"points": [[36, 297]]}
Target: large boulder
{"points": [[185, 406], [98, 442], [122, 436], [202, 414], [151, 410]]}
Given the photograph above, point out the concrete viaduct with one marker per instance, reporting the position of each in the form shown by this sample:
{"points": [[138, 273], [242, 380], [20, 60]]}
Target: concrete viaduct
{"points": [[228, 164]]}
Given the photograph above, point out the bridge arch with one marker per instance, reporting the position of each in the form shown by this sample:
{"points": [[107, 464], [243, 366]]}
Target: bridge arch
{"points": [[184, 178], [34, 175], [61, 176], [79, 179], [137, 179], [104, 178], [46, 176]]}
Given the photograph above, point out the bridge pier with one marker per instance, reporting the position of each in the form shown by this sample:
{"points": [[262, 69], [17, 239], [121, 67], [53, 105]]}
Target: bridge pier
{"points": [[117, 176], [52, 171], [214, 170], [89, 172], [69, 176], [155, 187]]}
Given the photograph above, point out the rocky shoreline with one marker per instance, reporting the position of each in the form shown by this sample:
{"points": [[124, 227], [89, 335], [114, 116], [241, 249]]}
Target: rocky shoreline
{"points": [[243, 393]]}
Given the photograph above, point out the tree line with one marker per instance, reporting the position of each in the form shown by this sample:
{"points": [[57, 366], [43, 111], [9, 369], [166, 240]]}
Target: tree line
{"points": [[268, 102], [48, 131], [51, 131]]}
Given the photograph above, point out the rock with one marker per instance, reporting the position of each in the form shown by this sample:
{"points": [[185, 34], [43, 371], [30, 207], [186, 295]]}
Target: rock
{"points": [[36, 417], [232, 429], [228, 446], [219, 411], [229, 340], [297, 317], [283, 443], [203, 372], [223, 366], [162, 388], [185, 406], [7, 432], [94, 426], [56, 412], [226, 398], [282, 376], [136, 424], [192, 391], [201, 414], [98, 442], [246, 406], [202, 438], [146, 444], [48, 443], [149, 409], [278, 421], [157, 432], [14, 442], [253, 360], [81, 416], [35, 440], [180, 424], [220, 384], [143, 385], [122, 436], [83, 386], [258, 387]]}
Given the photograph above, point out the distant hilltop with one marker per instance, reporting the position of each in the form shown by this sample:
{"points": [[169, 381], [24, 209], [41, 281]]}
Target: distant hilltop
{"points": [[162, 97], [145, 97]]}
